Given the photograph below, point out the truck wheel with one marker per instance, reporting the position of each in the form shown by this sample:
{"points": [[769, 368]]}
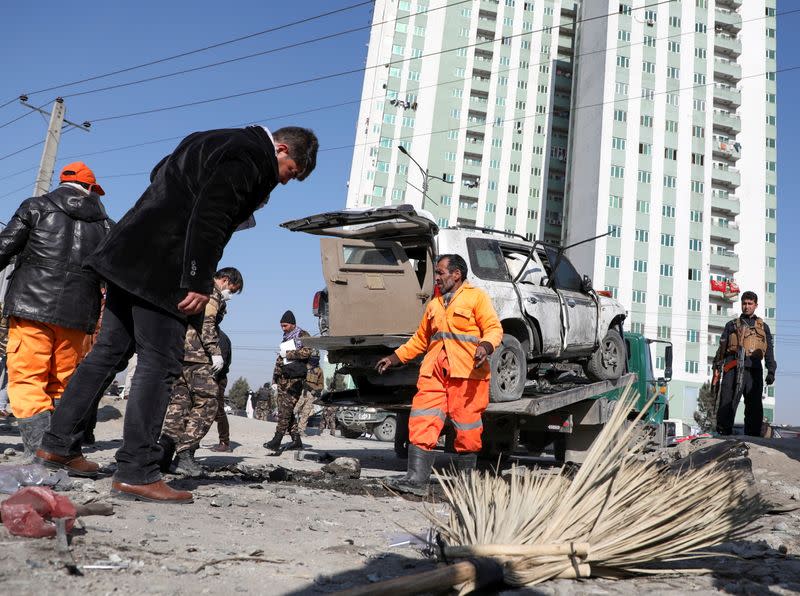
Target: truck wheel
{"points": [[509, 369], [386, 430], [608, 361], [349, 433]]}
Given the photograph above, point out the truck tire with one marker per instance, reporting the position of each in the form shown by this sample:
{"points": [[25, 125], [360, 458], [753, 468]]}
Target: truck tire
{"points": [[349, 433], [386, 430], [509, 370], [609, 361]]}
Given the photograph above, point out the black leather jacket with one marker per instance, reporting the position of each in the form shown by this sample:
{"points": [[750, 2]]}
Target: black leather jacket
{"points": [[51, 236]]}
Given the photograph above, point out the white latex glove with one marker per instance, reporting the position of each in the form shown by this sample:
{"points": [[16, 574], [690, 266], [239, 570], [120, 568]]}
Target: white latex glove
{"points": [[217, 363], [275, 388]]}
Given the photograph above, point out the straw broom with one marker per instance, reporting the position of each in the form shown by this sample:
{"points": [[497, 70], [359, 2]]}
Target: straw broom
{"points": [[619, 513]]}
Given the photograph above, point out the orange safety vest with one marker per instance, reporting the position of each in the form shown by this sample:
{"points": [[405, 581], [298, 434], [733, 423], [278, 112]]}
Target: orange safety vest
{"points": [[468, 320]]}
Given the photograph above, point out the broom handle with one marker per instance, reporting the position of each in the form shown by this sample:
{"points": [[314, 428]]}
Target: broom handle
{"points": [[429, 581], [579, 549]]}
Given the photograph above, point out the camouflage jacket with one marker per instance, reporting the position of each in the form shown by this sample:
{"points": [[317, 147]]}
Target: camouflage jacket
{"points": [[201, 344], [302, 354], [315, 380]]}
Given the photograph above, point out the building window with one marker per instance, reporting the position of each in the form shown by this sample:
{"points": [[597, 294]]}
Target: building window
{"points": [[615, 202], [668, 211], [694, 274], [696, 216], [646, 120], [698, 159], [695, 244], [614, 231], [697, 186], [644, 176], [663, 332], [693, 304], [667, 240], [670, 182], [641, 235], [612, 261], [620, 115], [643, 206], [692, 336], [617, 172], [665, 270], [692, 366], [640, 266], [618, 143], [670, 153], [671, 126], [639, 296], [645, 149], [665, 300]]}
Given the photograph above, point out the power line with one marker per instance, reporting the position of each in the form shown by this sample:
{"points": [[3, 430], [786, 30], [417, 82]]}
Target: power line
{"points": [[347, 72], [262, 53], [17, 118], [18, 151], [203, 49], [350, 102]]}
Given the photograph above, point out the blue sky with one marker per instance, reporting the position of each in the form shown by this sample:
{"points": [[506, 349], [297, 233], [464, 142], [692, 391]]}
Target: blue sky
{"points": [[281, 269]]}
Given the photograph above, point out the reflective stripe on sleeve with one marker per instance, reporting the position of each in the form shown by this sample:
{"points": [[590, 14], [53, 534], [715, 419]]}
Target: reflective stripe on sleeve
{"points": [[456, 336]]}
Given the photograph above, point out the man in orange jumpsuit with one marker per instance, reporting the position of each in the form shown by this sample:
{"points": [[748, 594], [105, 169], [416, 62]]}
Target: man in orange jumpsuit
{"points": [[457, 334]]}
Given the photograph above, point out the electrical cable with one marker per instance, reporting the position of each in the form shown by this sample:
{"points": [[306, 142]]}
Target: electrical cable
{"points": [[347, 72], [203, 49]]}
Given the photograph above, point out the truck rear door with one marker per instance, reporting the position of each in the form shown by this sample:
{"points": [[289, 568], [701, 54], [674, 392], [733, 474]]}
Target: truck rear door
{"points": [[373, 287]]}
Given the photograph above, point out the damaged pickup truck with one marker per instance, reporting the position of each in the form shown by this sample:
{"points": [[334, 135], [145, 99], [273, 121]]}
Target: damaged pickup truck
{"points": [[378, 267]]}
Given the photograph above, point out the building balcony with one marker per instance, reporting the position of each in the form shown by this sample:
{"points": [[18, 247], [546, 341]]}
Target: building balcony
{"points": [[565, 42], [731, 71], [727, 95], [727, 20], [729, 123], [726, 176], [728, 205], [727, 44], [727, 261], [726, 150], [728, 234]]}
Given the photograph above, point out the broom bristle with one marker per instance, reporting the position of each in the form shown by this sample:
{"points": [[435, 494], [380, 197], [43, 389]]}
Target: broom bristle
{"points": [[631, 509]]}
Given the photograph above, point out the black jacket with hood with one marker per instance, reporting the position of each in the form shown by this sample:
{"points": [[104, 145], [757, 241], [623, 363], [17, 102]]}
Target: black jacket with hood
{"points": [[51, 236], [171, 240]]}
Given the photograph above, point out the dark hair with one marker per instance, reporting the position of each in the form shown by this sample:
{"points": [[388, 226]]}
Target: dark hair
{"points": [[454, 262], [749, 295], [233, 275], [303, 145]]}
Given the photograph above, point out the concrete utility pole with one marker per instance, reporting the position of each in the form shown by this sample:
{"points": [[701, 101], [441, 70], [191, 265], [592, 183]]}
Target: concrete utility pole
{"points": [[47, 164]]}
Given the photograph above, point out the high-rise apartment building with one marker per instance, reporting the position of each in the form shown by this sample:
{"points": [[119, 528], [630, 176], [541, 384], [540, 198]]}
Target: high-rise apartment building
{"points": [[563, 120]]}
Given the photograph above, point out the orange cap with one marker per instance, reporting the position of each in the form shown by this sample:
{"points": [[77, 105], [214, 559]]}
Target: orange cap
{"points": [[78, 171]]}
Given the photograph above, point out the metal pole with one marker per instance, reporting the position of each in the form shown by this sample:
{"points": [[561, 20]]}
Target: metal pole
{"points": [[48, 163]]}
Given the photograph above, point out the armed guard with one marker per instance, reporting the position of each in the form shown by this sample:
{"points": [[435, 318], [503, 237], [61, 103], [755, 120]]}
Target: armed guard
{"points": [[743, 344]]}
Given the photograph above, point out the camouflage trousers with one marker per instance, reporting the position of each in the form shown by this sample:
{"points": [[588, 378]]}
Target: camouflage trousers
{"points": [[262, 410], [289, 391], [304, 409], [193, 406], [328, 420]]}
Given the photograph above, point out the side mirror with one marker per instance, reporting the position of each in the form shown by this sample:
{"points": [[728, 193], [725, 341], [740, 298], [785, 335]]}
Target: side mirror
{"points": [[668, 363], [586, 284]]}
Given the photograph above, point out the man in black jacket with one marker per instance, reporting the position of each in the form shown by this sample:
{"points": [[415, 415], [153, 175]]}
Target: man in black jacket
{"points": [[159, 263], [52, 303]]}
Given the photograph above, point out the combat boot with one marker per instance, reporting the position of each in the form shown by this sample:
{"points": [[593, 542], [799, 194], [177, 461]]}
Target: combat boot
{"points": [[187, 466], [465, 462], [275, 442], [297, 443], [420, 462], [168, 452], [32, 430]]}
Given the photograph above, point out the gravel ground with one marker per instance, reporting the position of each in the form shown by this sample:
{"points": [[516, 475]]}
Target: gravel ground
{"points": [[279, 525]]}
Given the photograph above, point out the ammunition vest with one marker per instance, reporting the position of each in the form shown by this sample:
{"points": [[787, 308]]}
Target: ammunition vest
{"points": [[315, 381], [753, 339]]}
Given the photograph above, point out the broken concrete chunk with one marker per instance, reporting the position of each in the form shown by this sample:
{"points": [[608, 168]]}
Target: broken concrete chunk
{"points": [[343, 467]]}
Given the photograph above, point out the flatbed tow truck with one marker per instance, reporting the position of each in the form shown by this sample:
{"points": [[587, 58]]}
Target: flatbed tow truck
{"points": [[568, 411]]}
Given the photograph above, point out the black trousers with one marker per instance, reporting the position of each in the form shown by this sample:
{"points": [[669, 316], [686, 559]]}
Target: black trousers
{"points": [[752, 388], [129, 323]]}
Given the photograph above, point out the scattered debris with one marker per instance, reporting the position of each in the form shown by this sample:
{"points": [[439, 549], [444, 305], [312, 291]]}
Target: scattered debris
{"points": [[345, 467], [241, 558]]}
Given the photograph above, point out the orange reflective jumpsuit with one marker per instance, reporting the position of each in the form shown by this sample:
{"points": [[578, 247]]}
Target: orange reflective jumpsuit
{"points": [[449, 385]]}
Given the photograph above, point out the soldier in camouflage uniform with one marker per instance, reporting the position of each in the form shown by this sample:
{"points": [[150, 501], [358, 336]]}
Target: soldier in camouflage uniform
{"points": [[193, 406], [265, 402], [329, 412], [312, 391], [290, 376]]}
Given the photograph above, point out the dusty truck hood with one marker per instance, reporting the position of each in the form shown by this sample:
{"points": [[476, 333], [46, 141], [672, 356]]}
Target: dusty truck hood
{"points": [[367, 224]]}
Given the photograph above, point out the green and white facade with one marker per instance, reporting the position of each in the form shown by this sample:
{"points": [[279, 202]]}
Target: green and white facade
{"points": [[555, 122]]}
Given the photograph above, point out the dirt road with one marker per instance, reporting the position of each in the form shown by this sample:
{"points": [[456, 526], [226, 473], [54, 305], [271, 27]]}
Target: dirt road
{"points": [[278, 525]]}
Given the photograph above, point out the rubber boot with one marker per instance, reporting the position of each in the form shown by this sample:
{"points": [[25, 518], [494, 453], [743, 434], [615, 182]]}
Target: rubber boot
{"points": [[32, 430], [420, 462], [465, 462], [275, 442], [187, 466], [297, 443], [168, 447]]}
